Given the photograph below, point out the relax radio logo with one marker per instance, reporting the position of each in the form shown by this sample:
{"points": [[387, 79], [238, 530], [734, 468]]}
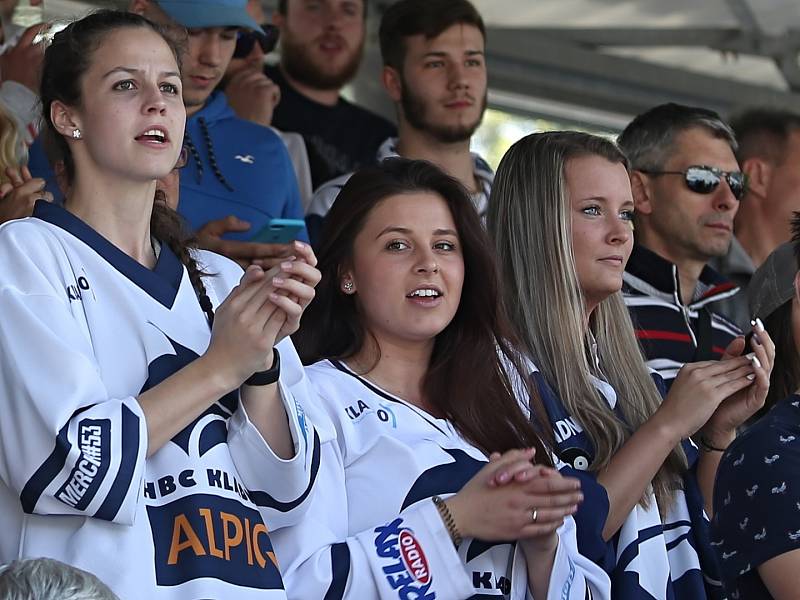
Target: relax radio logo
{"points": [[407, 571]]}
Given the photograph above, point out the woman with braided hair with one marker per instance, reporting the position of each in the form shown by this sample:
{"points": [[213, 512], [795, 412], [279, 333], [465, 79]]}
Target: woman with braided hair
{"points": [[149, 392]]}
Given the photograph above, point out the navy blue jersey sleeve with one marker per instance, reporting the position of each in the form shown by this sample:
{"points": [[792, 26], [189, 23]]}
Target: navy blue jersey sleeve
{"points": [[591, 518]]}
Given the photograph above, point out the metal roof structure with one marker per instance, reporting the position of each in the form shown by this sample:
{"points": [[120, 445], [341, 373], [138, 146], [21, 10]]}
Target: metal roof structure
{"points": [[599, 62], [625, 56]]}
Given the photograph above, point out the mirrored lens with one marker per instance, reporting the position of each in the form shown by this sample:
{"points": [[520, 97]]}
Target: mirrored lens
{"points": [[701, 181], [738, 184]]}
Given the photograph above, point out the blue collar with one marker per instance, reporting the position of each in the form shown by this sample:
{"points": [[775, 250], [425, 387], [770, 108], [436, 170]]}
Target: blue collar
{"points": [[162, 283]]}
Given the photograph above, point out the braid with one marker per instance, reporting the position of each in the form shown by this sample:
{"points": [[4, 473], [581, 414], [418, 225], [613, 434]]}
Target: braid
{"points": [[211, 156], [187, 141], [167, 227]]}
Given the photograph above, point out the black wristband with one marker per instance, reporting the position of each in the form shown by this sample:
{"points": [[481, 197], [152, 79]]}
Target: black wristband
{"points": [[705, 446], [269, 376]]}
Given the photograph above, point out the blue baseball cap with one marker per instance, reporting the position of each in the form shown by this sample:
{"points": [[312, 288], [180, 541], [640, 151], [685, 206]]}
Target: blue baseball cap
{"points": [[197, 14]]}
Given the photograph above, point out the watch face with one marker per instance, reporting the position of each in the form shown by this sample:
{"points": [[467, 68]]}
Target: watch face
{"points": [[577, 458]]}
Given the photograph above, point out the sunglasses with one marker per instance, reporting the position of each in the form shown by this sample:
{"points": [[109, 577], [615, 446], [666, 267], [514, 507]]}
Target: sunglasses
{"points": [[246, 40], [702, 179]]}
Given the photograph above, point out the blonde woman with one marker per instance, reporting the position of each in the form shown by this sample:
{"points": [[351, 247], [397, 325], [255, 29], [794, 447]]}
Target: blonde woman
{"points": [[560, 215]]}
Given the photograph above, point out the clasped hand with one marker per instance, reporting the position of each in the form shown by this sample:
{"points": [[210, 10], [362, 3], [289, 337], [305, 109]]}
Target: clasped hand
{"points": [[262, 310], [498, 503]]}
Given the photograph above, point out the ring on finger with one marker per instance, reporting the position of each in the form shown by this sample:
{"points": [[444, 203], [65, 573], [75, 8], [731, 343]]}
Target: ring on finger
{"points": [[534, 514]]}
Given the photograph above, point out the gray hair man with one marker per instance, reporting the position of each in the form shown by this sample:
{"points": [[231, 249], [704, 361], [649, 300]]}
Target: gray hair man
{"points": [[686, 187]]}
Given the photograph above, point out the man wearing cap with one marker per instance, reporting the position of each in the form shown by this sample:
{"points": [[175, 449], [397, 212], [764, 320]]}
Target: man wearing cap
{"points": [[253, 96], [238, 172], [686, 186]]}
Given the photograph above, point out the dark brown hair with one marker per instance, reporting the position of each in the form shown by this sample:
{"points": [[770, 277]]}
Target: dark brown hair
{"points": [[468, 379], [785, 378], [427, 17], [66, 60]]}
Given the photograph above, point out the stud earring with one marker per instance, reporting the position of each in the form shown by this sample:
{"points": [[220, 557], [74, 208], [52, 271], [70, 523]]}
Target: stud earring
{"points": [[76, 134], [348, 287]]}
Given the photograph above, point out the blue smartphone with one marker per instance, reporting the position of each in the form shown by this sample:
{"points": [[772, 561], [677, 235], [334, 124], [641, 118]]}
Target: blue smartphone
{"points": [[280, 231]]}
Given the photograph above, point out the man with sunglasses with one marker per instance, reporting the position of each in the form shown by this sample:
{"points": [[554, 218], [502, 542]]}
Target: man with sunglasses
{"points": [[238, 175], [769, 153], [686, 186], [254, 96], [251, 94]]}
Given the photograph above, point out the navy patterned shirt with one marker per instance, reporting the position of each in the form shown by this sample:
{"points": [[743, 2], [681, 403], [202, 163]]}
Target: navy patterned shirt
{"points": [[757, 500]]}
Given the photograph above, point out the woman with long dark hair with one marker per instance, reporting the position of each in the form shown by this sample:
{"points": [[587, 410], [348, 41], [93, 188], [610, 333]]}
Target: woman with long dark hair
{"points": [[410, 356], [148, 388]]}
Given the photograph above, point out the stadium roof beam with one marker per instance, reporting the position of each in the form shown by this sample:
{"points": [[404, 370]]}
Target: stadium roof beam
{"points": [[529, 62]]}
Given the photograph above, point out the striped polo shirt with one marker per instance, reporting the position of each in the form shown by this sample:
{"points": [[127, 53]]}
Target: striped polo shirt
{"points": [[669, 330]]}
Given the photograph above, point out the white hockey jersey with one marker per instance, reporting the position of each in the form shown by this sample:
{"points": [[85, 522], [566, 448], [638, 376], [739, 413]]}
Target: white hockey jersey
{"points": [[372, 531], [84, 330]]}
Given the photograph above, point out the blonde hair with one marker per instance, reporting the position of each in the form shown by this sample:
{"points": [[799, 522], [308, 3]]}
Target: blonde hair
{"points": [[530, 221], [12, 149]]}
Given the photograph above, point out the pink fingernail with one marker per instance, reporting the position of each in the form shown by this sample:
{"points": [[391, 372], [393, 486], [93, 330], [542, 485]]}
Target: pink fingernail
{"points": [[278, 280], [286, 266]]}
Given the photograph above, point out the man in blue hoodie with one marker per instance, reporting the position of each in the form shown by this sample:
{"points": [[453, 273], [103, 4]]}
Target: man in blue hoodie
{"points": [[239, 174]]}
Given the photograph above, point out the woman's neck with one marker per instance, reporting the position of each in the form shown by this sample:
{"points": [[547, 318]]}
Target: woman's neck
{"points": [[400, 368], [118, 210]]}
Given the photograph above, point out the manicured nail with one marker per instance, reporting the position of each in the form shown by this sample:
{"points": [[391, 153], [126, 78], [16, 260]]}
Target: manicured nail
{"points": [[286, 266], [278, 280], [754, 359], [751, 376], [502, 477], [760, 324], [299, 245]]}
